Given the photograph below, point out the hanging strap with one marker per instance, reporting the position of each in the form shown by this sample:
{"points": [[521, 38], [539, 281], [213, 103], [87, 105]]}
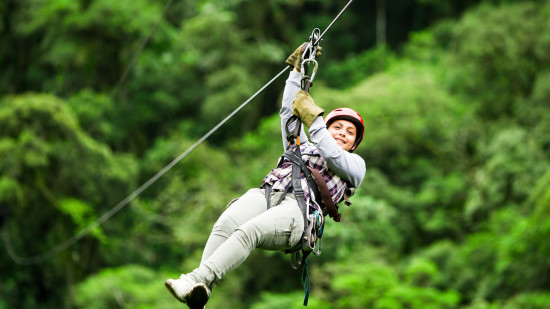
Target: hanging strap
{"points": [[325, 195], [296, 181], [305, 282], [268, 188]]}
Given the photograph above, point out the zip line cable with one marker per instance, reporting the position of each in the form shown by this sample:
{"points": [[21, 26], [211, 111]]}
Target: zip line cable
{"points": [[107, 215]]}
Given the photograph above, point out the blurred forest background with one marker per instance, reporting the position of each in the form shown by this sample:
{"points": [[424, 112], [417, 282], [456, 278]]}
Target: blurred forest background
{"points": [[454, 211]]}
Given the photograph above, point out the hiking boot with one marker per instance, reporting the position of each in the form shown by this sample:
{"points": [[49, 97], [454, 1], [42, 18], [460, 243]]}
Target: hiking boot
{"points": [[181, 288], [199, 296]]}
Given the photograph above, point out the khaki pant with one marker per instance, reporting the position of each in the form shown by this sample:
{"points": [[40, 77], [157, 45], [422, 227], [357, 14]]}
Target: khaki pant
{"points": [[245, 225]]}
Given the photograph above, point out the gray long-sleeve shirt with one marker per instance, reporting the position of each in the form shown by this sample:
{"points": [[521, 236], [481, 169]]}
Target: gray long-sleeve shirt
{"points": [[347, 165]]}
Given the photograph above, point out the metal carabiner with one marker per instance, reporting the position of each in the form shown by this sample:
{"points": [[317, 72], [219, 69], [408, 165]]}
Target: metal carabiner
{"points": [[313, 72], [319, 232], [309, 238], [315, 37]]}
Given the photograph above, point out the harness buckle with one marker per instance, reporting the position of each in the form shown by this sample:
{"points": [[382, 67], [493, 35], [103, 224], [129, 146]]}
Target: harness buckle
{"points": [[293, 135]]}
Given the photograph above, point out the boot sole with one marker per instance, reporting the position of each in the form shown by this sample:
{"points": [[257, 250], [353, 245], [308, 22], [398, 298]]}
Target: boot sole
{"points": [[199, 296]]}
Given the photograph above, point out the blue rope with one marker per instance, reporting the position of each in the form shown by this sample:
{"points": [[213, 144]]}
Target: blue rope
{"points": [[305, 282]]}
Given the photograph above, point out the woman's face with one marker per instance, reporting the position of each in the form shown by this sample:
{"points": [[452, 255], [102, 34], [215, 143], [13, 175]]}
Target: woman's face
{"points": [[344, 132]]}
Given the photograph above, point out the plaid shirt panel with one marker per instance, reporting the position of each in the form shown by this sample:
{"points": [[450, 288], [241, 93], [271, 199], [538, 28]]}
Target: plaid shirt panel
{"points": [[280, 178]]}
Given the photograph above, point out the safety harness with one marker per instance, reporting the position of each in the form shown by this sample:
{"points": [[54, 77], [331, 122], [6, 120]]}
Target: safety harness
{"points": [[313, 216]]}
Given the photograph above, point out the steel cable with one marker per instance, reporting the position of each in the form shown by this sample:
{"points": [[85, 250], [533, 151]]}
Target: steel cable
{"points": [[107, 215]]}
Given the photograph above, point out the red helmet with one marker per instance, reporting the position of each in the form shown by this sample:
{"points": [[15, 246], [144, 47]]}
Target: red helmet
{"points": [[349, 115]]}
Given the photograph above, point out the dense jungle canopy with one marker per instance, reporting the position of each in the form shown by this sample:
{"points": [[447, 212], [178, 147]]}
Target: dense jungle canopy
{"points": [[97, 96]]}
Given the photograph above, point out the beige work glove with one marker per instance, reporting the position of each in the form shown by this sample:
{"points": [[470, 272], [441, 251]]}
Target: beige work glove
{"points": [[295, 60], [304, 107]]}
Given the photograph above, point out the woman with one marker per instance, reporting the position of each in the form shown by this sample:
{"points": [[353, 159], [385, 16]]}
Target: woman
{"points": [[249, 223]]}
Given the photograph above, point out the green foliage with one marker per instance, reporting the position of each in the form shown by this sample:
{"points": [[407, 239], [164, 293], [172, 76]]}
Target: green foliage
{"points": [[226, 64], [52, 167], [95, 113], [255, 149], [42, 138], [130, 286], [454, 209], [528, 301], [355, 68], [514, 163], [525, 244], [364, 280], [290, 300], [81, 214], [421, 272], [83, 44], [407, 112], [502, 49], [367, 221]]}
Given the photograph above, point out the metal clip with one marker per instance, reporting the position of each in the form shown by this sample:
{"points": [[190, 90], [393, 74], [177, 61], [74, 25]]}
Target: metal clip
{"points": [[314, 71], [308, 56], [309, 238]]}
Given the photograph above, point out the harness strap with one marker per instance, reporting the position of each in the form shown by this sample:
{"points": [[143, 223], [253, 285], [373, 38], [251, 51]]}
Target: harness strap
{"points": [[296, 158], [297, 185], [300, 252], [325, 195], [268, 189]]}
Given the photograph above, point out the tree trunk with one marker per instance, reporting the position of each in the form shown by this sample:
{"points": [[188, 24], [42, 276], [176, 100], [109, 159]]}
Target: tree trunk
{"points": [[380, 22]]}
